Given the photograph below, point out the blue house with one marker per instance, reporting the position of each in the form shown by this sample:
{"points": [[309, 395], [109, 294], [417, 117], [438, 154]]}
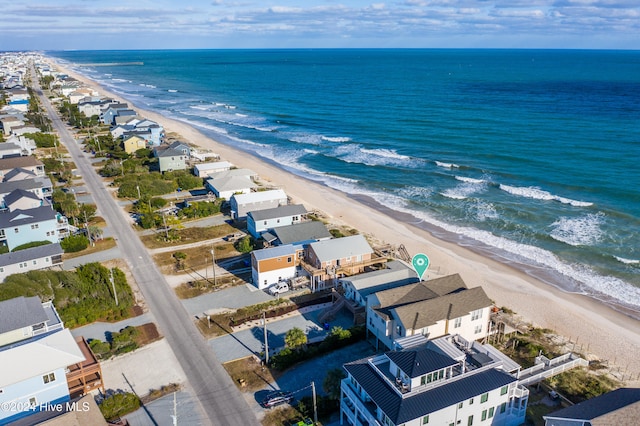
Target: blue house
{"points": [[35, 351], [42, 223]]}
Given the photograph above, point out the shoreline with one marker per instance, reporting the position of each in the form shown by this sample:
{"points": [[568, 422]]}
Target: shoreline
{"points": [[609, 333]]}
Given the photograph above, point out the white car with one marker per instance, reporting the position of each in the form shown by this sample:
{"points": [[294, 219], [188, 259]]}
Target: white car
{"points": [[278, 288]]}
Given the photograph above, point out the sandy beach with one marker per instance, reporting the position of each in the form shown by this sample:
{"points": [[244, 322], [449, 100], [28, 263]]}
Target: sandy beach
{"points": [[598, 329]]}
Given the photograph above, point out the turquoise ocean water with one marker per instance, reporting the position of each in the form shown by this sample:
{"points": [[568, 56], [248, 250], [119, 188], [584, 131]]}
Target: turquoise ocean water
{"points": [[530, 156]]}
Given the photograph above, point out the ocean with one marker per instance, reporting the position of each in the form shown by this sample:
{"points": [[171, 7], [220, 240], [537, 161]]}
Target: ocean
{"points": [[528, 156]]}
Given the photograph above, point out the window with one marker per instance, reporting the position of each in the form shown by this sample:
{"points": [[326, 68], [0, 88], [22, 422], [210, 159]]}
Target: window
{"points": [[457, 323], [471, 401], [441, 374], [289, 259], [423, 380], [503, 407], [51, 377], [491, 412], [265, 222], [399, 329], [35, 262], [460, 405], [278, 221], [35, 226], [1, 269], [484, 415], [504, 390], [22, 265], [484, 398], [16, 230], [477, 314], [477, 329], [425, 420], [470, 421]]}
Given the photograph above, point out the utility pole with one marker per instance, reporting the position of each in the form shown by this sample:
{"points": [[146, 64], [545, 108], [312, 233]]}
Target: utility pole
{"points": [[266, 341], [315, 407], [113, 284], [213, 263]]}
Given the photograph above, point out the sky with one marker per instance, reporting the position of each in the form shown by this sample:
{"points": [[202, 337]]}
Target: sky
{"points": [[196, 24]]}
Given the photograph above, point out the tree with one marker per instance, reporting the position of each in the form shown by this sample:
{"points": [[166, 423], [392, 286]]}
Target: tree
{"points": [[331, 382], [244, 245], [295, 338]]}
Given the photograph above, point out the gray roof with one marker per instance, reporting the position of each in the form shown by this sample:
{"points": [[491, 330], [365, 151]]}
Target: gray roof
{"points": [[306, 231], [276, 212], [416, 363], [231, 183], [428, 312], [23, 217], [32, 253], [341, 247], [396, 274], [597, 409], [270, 253], [401, 410], [169, 152], [14, 172], [18, 194], [27, 184], [423, 290], [21, 312]]}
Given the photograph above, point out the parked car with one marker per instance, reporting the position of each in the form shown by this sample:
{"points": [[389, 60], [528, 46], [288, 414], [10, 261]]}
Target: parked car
{"points": [[276, 398], [281, 287], [554, 395]]}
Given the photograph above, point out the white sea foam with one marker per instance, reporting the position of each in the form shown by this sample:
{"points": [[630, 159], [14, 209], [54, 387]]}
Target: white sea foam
{"points": [[580, 231], [388, 153], [447, 165], [416, 192], [465, 189], [120, 80], [469, 180], [485, 211], [310, 151], [627, 261], [539, 194], [150, 86], [335, 139], [172, 91]]}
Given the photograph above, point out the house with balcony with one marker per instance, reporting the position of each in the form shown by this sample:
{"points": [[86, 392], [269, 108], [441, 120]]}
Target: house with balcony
{"points": [[31, 259], [261, 221], [327, 261], [36, 354], [432, 308], [272, 265], [29, 163], [437, 383]]}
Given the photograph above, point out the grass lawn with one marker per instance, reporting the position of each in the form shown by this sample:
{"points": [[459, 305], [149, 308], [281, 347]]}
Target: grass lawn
{"points": [[197, 257], [188, 235]]}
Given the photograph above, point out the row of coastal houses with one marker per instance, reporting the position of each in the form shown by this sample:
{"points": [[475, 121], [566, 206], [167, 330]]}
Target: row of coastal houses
{"points": [[26, 211]]}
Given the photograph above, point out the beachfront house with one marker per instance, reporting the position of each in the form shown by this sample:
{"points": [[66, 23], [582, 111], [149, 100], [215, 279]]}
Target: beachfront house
{"points": [[241, 204], [27, 145], [21, 200], [90, 106], [40, 361], [154, 131], [9, 150], [206, 170], [618, 407], [170, 159], [31, 259], [134, 143], [272, 265], [107, 116], [229, 186], [326, 261], [433, 383], [301, 233], [430, 308], [10, 122], [396, 273], [260, 221]]}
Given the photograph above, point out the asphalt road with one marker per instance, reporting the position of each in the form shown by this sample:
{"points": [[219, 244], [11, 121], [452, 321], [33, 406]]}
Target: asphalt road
{"points": [[219, 399]]}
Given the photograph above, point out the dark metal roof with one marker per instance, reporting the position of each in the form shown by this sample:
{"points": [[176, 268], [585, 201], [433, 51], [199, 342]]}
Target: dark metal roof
{"points": [[415, 363], [601, 405], [306, 231], [401, 410], [24, 217]]}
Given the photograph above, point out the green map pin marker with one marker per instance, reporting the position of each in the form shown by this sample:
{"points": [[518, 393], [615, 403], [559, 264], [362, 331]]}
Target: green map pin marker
{"points": [[420, 263]]}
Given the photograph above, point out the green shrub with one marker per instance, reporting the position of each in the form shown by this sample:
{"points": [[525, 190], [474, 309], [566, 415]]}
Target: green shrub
{"points": [[74, 243], [118, 405], [244, 245], [31, 245]]}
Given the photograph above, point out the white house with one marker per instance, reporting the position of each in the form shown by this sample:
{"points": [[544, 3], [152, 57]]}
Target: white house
{"points": [[272, 265], [433, 384], [35, 351], [241, 204], [431, 308], [229, 186], [260, 221], [31, 259], [206, 170]]}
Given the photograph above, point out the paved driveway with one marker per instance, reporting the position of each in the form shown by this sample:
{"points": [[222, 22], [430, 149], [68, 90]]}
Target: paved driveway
{"points": [[249, 342]]}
